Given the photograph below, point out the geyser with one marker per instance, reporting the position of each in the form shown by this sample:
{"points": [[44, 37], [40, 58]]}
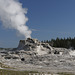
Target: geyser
{"points": [[13, 16], [34, 46]]}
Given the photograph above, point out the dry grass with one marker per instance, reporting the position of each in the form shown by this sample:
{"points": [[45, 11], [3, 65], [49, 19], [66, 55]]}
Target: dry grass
{"points": [[10, 72], [63, 73]]}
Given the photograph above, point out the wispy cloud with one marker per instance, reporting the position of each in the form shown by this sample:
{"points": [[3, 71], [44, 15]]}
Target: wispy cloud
{"points": [[57, 32], [34, 30]]}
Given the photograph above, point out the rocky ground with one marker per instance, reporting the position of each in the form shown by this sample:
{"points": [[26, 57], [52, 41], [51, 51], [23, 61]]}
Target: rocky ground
{"points": [[32, 54]]}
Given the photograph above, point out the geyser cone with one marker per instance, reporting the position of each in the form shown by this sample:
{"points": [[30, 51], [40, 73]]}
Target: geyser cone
{"points": [[34, 45]]}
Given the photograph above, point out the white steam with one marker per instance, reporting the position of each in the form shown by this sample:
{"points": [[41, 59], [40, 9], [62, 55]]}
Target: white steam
{"points": [[13, 16]]}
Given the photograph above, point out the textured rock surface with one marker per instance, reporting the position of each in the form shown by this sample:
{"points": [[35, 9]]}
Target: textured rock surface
{"points": [[31, 54], [35, 45]]}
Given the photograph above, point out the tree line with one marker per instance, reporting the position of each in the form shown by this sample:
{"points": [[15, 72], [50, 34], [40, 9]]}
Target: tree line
{"points": [[62, 42]]}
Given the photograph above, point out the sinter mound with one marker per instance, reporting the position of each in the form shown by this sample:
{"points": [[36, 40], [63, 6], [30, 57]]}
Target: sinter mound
{"points": [[35, 46]]}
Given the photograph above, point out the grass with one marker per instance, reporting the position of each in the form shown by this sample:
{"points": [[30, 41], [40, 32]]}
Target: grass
{"points": [[10, 72], [64, 73]]}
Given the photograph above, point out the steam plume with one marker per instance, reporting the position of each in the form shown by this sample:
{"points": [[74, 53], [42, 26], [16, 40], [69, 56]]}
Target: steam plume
{"points": [[13, 16]]}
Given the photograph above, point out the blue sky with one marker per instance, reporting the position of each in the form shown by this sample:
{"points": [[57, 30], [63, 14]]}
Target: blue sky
{"points": [[48, 18]]}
